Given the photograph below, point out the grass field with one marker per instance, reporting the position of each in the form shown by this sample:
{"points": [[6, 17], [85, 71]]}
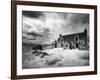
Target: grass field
{"points": [[57, 57]]}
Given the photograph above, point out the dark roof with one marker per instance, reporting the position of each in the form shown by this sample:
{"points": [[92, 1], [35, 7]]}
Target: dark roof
{"points": [[79, 34]]}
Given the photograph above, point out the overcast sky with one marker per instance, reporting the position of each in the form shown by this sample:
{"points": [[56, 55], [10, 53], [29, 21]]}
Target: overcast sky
{"points": [[45, 27]]}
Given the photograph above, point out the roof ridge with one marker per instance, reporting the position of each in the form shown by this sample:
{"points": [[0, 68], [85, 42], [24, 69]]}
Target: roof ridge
{"points": [[73, 34]]}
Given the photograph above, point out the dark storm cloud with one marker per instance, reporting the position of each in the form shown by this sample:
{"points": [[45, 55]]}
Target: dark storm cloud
{"points": [[32, 14], [34, 34], [86, 19], [76, 22], [31, 38], [79, 18]]}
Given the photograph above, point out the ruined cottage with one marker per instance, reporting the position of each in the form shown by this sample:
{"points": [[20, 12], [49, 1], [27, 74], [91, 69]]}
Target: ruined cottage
{"points": [[73, 41]]}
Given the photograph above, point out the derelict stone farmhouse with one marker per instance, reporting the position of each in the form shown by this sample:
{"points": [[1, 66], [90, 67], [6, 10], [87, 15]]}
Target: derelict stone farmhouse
{"points": [[72, 41]]}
